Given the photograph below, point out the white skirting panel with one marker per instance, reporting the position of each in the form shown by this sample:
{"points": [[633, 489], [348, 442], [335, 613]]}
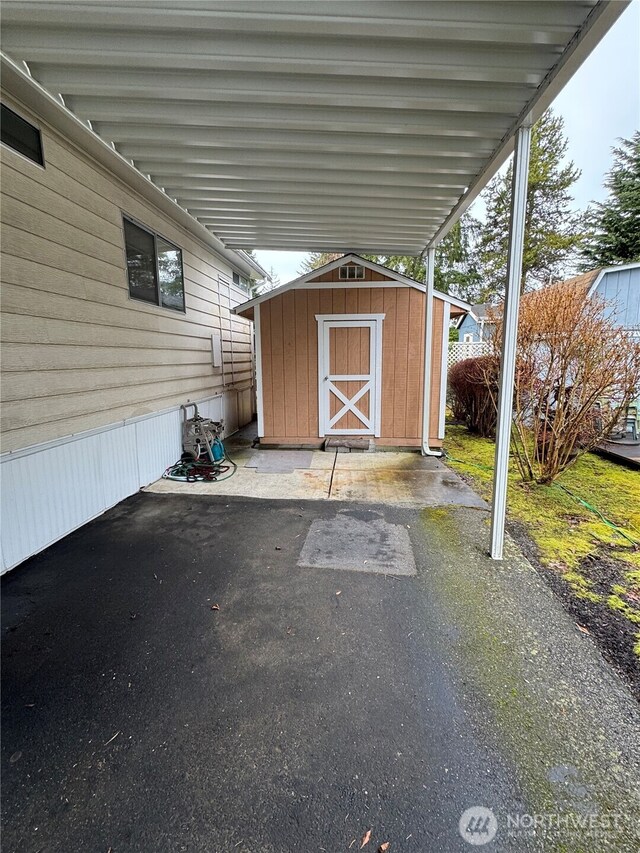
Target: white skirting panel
{"points": [[48, 490]]}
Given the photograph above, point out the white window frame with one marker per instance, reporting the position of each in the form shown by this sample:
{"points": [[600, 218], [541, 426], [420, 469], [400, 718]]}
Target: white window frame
{"points": [[155, 235], [374, 377], [358, 272]]}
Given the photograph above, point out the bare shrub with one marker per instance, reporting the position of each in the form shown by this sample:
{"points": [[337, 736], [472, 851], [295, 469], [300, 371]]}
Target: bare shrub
{"points": [[473, 385], [576, 374]]}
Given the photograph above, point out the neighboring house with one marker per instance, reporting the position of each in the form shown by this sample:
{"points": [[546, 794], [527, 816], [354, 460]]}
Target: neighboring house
{"points": [[116, 308], [340, 352], [619, 287], [473, 327]]}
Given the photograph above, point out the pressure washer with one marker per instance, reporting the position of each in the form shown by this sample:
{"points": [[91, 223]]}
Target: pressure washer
{"points": [[203, 452]]}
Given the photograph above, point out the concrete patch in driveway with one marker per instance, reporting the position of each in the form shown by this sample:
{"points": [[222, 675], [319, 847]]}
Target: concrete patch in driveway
{"points": [[358, 541], [279, 461]]}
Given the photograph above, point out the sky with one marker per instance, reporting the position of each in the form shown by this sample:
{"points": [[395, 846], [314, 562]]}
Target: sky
{"points": [[600, 104]]}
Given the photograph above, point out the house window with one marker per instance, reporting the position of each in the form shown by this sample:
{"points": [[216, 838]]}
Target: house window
{"points": [[468, 338], [20, 135], [154, 267], [241, 281], [352, 271]]}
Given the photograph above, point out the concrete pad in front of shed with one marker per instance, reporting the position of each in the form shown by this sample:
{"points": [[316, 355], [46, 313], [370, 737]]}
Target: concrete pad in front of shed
{"points": [[404, 488], [247, 482], [279, 461], [358, 540], [388, 461]]}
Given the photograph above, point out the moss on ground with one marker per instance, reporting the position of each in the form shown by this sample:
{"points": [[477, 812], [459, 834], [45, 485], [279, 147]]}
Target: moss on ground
{"points": [[491, 655], [565, 532]]}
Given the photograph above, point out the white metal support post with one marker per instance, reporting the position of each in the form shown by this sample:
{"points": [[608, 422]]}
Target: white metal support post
{"points": [[509, 338], [428, 341]]}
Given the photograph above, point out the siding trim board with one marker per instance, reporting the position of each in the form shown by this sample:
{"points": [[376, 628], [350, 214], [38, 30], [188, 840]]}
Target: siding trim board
{"points": [[66, 439], [258, 357], [444, 369]]}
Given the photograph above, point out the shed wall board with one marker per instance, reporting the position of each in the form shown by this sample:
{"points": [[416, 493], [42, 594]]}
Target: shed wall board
{"points": [[289, 361]]}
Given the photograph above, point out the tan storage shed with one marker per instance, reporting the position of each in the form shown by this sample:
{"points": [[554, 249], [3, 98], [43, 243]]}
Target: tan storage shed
{"points": [[340, 352]]}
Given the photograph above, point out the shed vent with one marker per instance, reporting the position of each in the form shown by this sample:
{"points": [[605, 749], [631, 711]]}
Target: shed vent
{"points": [[352, 271]]}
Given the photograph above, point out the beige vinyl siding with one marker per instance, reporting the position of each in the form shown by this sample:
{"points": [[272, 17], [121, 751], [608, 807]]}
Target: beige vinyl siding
{"points": [[77, 351]]}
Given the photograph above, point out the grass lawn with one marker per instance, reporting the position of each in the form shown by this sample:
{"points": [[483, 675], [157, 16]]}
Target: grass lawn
{"points": [[598, 564]]}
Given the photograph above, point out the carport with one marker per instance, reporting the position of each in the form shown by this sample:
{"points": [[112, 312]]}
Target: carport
{"points": [[329, 126], [225, 672]]}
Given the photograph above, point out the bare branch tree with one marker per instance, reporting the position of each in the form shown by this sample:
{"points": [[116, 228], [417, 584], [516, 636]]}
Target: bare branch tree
{"points": [[577, 372]]}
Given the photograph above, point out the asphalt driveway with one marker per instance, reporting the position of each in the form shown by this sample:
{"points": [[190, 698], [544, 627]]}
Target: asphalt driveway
{"points": [[330, 690]]}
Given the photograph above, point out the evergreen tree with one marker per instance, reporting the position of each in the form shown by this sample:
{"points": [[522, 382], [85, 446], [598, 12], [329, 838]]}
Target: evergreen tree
{"points": [[315, 260], [410, 265], [274, 279], [613, 226], [553, 233], [456, 271], [258, 288]]}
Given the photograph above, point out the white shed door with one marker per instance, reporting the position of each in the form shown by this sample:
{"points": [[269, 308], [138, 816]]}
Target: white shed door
{"points": [[349, 353]]}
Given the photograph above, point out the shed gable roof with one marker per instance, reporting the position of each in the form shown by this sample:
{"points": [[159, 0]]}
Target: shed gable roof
{"points": [[310, 281]]}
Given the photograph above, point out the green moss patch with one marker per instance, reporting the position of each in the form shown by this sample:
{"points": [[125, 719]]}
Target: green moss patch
{"points": [[567, 534]]}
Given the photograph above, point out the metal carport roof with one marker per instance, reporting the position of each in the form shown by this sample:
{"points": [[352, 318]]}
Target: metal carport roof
{"points": [[327, 126], [353, 126]]}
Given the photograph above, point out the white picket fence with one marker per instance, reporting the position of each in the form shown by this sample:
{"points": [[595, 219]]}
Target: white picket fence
{"points": [[459, 350]]}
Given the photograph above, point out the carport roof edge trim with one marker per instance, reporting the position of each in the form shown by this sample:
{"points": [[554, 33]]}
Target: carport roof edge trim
{"points": [[350, 257]]}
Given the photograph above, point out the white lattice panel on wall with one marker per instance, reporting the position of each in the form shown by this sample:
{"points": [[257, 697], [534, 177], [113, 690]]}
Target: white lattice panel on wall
{"points": [[459, 350]]}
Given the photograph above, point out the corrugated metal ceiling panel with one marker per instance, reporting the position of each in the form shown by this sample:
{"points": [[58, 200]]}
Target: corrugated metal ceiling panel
{"points": [[308, 125]]}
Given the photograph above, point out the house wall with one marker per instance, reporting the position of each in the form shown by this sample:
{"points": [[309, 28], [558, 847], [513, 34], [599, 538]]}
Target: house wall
{"points": [[80, 356], [621, 290], [468, 327], [289, 356]]}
